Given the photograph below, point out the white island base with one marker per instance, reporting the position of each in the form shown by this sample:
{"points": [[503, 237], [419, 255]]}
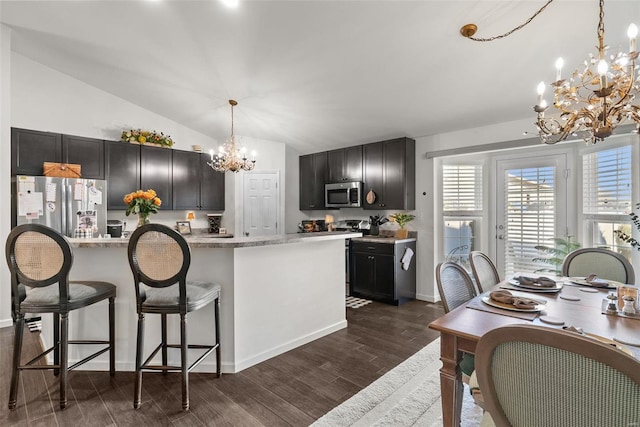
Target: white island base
{"points": [[277, 294]]}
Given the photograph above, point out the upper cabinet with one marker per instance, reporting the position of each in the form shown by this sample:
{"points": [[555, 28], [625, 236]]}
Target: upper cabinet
{"points": [[389, 171], [195, 184], [123, 172], [182, 179], [313, 176], [211, 186], [87, 152], [30, 149], [156, 172], [345, 164]]}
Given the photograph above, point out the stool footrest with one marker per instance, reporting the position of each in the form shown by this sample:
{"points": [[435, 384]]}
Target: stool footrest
{"points": [[209, 349]]}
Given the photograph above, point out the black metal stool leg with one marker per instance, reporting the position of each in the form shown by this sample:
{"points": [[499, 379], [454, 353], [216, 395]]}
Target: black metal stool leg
{"points": [[217, 337], [163, 321], [137, 394], [183, 362], [64, 358], [17, 349], [112, 337], [56, 342]]}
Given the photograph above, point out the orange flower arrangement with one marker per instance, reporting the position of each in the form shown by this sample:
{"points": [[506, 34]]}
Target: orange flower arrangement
{"points": [[142, 202]]}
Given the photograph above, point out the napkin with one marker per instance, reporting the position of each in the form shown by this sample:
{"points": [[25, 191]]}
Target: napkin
{"points": [[543, 282], [507, 297], [594, 280]]}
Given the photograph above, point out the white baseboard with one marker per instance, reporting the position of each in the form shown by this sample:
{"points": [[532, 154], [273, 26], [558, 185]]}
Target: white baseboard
{"points": [[428, 298], [5, 323], [208, 365], [254, 360]]}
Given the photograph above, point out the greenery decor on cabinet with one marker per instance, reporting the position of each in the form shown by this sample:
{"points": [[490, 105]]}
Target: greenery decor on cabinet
{"points": [[146, 137], [142, 203], [402, 219]]}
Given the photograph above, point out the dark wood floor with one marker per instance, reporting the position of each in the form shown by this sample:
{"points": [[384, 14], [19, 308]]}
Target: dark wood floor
{"points": [[295, 388]]}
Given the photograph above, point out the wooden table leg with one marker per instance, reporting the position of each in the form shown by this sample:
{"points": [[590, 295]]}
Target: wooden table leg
{"points": [[451, 388]]}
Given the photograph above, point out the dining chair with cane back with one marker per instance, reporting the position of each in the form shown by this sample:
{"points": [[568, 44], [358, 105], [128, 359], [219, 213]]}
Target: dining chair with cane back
{"points": [[455, 287], [484, 271], [160, 258], [539, 376], [604, 263], [39, 260]]}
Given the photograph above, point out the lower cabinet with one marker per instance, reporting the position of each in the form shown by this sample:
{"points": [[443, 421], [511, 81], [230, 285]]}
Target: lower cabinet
{"points": [[377, 272]]}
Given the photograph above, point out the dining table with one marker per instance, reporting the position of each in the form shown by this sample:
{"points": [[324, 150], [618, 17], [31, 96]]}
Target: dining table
{"points": [[580, 306]]}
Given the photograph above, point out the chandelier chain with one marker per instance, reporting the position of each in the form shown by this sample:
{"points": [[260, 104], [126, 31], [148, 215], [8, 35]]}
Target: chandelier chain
{"points": [[601, 22], [508, 33]]}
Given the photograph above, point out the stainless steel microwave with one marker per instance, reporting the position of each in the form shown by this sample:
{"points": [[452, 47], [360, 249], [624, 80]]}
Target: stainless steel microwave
{"points": [[343, 195]]}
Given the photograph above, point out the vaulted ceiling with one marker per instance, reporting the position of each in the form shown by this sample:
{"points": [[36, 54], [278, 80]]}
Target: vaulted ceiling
{"points": [[316, 74]]}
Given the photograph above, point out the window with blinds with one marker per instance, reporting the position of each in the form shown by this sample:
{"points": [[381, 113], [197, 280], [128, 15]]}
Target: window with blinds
{"points": [[607, 181], [530, 216], [462, 210], [461, 189], [607, 185]]}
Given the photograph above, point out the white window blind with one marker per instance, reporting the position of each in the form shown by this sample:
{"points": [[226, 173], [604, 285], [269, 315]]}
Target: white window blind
{"points": [[607, 181], [530, 213], [462, 188]]}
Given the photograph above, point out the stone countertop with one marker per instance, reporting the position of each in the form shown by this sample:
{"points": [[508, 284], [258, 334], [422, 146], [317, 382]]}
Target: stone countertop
{"points": [[212, 241], [391, 240]]}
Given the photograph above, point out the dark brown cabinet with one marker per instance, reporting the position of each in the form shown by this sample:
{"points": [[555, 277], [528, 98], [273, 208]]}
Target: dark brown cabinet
{"points": [[195, 184], [376, 272], [87, 152], [123, 172], [345, 164], [30, 149], [389, 170], [211, 186], [156, 172], [313, 176]]}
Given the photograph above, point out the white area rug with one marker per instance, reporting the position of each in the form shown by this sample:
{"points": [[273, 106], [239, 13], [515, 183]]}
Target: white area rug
{"points": [[353, 302], [408, 395]]}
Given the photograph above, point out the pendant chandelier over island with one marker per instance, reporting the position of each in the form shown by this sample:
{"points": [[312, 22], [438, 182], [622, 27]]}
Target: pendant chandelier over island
{"points": [[230, 156]]}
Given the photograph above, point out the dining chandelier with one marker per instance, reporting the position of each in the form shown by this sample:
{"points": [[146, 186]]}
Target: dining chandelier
{"points": [[595, 98], [230, 156]]}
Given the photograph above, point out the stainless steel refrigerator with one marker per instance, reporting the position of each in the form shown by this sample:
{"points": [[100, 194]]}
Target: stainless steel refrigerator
{"points": [[75, 207]]}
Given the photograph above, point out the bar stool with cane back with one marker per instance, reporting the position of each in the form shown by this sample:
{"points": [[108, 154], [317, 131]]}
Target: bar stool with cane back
{"points": [[40, 260], [160, 258]]}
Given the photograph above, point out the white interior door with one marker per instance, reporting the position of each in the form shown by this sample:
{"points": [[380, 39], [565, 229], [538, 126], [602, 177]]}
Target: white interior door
{"points": [[531, 210], [261, 201]]}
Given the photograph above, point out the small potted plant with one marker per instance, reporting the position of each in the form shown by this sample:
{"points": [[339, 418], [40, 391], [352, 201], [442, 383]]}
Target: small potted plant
{"points": [[402, 219]]}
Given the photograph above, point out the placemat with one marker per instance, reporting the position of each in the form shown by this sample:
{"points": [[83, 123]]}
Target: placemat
{"points": [[477, 304]]}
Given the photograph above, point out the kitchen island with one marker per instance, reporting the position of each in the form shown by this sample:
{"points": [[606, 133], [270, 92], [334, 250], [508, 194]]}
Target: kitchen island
{"points": [[278, 293]]}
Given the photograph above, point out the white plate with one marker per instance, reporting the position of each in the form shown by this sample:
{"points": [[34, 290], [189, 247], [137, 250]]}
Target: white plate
{"points": [[556, 288], [487, 300], [581, 281]]}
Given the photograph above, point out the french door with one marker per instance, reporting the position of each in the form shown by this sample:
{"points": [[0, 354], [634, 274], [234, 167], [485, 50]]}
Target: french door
{"points": [[531, 210]]}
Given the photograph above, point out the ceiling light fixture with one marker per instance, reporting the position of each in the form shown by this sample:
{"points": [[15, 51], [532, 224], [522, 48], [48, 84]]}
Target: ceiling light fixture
{"points": [[230, 156], [595, 99], [231, 3]]}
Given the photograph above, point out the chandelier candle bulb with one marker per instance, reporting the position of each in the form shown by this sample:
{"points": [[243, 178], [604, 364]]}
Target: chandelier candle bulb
{"points": [[632, 33], [603, 67], [559, 65]]}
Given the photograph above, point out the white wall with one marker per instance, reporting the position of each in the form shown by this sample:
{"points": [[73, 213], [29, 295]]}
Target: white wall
{"points": [[5, 167], [47, 100]]}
